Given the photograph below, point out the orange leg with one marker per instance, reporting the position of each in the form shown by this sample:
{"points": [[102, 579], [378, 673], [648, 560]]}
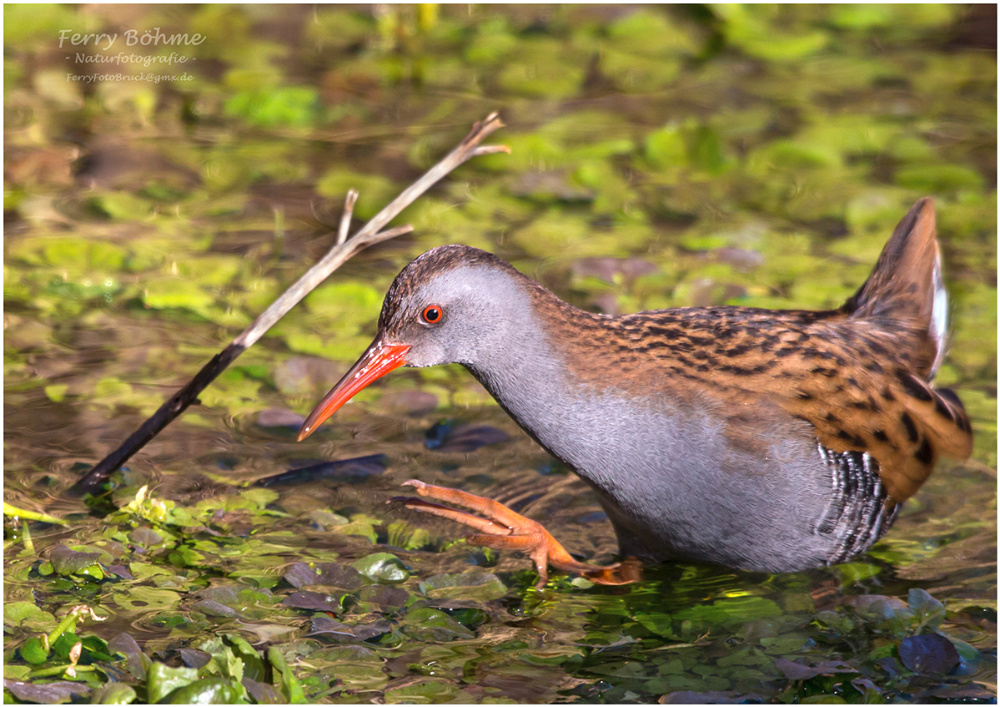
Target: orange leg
{"points": [[503, 529]]}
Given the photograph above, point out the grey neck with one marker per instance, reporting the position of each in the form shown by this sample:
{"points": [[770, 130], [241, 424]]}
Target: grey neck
{"points": [[582, 426]]}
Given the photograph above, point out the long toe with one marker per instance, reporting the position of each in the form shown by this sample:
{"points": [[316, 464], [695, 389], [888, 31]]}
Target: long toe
{"points": [[494, 510], [625, 572], [483, 525]]}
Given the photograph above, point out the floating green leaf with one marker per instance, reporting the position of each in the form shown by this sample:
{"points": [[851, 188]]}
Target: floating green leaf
{"points": [[34, 651], [163, 680], [114, 693], [382, 567]]}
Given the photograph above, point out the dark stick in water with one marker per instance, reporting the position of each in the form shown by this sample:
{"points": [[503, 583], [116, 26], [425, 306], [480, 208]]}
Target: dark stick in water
{"points": [[344, 249]]}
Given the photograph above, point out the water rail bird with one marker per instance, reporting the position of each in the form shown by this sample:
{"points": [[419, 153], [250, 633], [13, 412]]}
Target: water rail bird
{"points": [[767, 440]]}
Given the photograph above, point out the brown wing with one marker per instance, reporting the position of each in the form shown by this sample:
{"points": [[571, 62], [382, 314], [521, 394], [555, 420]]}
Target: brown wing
{"points": [[846, 377], [860, 397]]}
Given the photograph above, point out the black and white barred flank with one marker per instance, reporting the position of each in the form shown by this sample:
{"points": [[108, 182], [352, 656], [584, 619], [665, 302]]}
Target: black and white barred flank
{"points": [[861, 512]]}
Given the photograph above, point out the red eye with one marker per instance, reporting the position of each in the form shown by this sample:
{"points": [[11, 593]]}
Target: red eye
{"points": [[432, 314]]}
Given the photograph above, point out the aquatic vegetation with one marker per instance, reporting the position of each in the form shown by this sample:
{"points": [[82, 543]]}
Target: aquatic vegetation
{"points": [[752, 155]]}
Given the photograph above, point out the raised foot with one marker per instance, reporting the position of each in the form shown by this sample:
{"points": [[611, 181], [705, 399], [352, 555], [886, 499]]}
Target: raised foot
{"points": [[503, 529]]}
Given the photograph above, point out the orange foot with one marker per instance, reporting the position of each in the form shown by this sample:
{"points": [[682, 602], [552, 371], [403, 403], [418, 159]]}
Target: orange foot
{"points": [[503, 529]]}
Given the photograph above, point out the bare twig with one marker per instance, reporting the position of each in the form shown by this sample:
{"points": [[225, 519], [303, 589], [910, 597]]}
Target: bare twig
{"points": [[391, 233], [490, 150], [345, 218], [345, 248]]}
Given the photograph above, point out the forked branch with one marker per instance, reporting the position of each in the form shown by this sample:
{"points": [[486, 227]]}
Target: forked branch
{"points": [[343, 250]]}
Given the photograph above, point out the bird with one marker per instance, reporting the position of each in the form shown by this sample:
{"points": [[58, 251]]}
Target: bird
{"points": [[755, 439]]}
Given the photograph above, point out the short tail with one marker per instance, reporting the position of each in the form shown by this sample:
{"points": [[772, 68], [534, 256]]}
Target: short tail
{"points": [[905, 297], [905, 291]]}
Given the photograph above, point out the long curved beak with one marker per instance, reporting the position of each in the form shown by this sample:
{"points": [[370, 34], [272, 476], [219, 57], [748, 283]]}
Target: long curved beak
{"points": [[375, 362]]}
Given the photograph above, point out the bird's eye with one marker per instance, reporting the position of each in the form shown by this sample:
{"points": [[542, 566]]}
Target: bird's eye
{"points": [[432, 314]]}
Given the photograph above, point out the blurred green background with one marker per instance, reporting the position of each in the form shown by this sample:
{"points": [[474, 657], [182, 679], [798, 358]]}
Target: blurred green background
{"points": [[158, 196]]}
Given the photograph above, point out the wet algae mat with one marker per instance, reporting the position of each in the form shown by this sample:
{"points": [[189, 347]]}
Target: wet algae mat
{"points": [[749, 155]]}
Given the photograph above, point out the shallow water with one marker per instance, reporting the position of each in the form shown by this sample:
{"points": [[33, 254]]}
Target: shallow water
{"points": [[147, 224]]}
